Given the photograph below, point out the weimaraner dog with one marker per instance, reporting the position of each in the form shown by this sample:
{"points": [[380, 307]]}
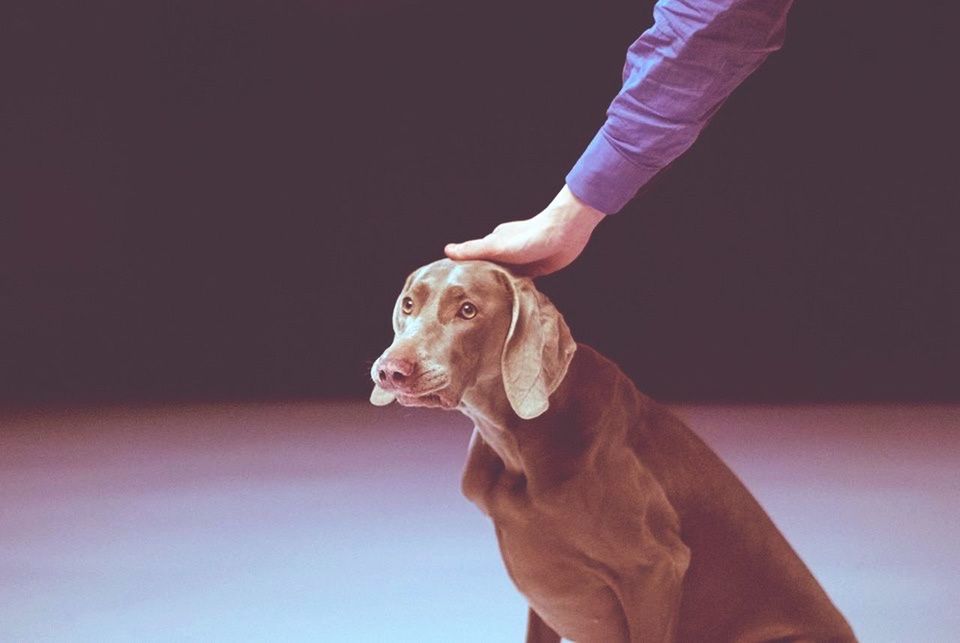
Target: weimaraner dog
{"points": [[614, 520]]}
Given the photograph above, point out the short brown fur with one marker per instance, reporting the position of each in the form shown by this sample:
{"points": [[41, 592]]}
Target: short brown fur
{"points": [[615, 521]]}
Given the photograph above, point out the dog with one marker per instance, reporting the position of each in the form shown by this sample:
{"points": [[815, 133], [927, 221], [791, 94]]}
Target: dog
{"points": [[614, 520]]}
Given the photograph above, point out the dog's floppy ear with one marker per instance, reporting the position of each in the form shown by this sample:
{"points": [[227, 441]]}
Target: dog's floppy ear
{"points": [[537, 351]]}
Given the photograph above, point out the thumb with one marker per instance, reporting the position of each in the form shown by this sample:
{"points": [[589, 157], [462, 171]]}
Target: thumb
{"points": [[475, 249]]}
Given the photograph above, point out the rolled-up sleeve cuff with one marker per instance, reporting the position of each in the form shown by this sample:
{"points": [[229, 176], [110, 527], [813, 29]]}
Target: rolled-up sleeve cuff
{"points": [[604, 179]]}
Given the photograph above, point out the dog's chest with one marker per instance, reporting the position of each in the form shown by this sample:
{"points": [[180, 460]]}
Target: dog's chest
{"points": [[558, 549], [577, 601], [553, 562]]}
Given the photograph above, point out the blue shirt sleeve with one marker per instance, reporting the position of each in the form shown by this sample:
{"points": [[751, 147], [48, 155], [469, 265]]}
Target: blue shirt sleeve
{"points": [[676, 76]]}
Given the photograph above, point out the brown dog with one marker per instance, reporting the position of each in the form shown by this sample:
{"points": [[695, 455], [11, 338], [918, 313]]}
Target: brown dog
{"points": [[614, 520]]}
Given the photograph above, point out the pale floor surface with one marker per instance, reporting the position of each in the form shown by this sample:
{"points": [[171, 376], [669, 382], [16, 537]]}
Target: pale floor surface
{"points": [[342, 522]]}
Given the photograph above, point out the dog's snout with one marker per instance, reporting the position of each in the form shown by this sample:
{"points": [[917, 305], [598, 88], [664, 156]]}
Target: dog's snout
{"points": [[395, 370]]}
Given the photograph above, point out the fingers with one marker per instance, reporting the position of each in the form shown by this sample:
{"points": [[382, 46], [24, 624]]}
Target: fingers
{"points": [[475, 249], [500, 245], [519, 244], [489, 250]]}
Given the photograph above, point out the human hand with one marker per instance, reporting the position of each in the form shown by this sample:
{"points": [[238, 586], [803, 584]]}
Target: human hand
{"points": [[540, 245]]}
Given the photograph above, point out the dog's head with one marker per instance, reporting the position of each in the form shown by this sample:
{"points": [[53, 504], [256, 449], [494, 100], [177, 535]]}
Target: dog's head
{"points": [[464, 327]]}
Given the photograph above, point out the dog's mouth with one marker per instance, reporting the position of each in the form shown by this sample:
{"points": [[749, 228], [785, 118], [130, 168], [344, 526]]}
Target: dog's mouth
{"points": [[432, 399]]}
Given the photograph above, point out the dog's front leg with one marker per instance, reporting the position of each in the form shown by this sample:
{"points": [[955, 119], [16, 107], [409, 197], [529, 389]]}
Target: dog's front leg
{"points": [[651, 597], [538, 631]]}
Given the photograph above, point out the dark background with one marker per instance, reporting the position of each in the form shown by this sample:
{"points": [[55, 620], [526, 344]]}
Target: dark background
{"points": [[221, 199]]}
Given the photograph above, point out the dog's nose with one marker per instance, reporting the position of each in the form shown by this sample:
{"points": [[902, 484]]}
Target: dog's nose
{"points": [[395, 370]]}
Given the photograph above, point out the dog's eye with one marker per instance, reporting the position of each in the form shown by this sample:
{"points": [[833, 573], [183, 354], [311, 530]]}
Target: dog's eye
{"points": [[406, 305], [467, 310]]}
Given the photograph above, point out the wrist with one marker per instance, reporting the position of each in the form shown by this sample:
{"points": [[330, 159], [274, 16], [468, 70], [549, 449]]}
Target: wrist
{"points": [[572, 211]]}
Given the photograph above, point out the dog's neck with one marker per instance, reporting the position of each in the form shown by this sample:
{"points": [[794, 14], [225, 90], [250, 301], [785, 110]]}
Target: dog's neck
{"points": [[487, 405]]}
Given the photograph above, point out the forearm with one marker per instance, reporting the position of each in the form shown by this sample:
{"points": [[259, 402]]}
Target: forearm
{"points": [[677, 74]]}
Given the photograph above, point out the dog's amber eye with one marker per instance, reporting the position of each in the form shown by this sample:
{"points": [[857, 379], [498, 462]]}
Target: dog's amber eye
{"points": [[406, 305], [467, 310]]}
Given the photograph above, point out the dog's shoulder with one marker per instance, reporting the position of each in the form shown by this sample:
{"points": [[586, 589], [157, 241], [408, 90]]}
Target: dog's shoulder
{"points": [[605, 379], [594, 365]]}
